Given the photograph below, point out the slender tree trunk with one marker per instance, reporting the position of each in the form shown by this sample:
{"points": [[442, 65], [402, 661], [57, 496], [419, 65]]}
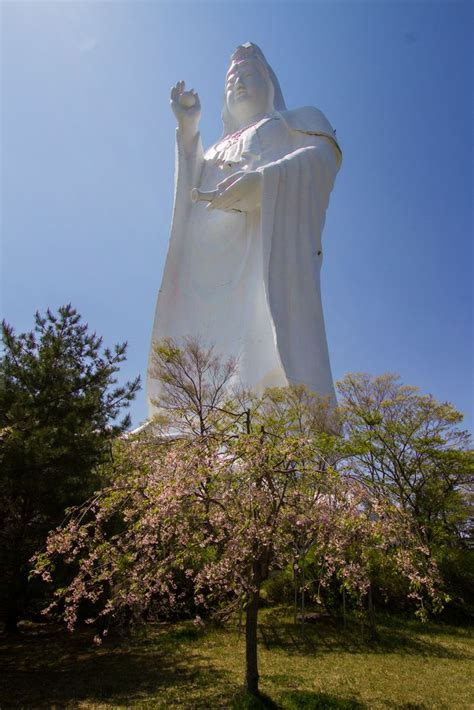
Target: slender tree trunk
{"points": [[12, 618], [344, 606], [251, 675], [371, 615], [14, 593], [295, 582], [251, 621], [302, 595]]}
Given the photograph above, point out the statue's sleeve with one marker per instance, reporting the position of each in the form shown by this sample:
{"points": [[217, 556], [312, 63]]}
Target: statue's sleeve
{"points": [[188, 167], [295, 196]]}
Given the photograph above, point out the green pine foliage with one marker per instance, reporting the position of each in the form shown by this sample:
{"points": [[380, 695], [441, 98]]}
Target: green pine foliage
{"points": [[60, 409]]}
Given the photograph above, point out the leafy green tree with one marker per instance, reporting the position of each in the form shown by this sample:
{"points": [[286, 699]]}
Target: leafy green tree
{"points": [[60, 409], [410, 447]]}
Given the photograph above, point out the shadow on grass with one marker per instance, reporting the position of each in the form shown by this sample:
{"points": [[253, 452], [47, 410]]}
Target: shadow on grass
{"points": [[307, 700], [294, 700], [428, 628], [166, 665], [49, 668], [328, 636], [242, 700]]}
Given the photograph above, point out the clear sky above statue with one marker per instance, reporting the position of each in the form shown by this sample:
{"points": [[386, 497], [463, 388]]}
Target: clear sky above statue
{"points": [[88, 155]]}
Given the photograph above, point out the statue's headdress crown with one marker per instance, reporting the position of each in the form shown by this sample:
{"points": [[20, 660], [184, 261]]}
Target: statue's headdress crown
{"points": [[246, 51]]}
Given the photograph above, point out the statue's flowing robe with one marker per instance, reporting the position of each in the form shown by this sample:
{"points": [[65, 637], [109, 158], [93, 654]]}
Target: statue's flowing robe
{"points": [[249, 283]]}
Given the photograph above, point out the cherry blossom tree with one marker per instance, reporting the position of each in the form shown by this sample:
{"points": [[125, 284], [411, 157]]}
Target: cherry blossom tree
{"points": [[252, 481]]}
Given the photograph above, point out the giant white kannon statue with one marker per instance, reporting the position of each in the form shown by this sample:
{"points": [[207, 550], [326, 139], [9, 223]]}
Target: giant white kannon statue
{"points": [[244, 258]]}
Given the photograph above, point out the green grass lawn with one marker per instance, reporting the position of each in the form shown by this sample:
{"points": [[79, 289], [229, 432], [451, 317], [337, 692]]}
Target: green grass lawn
{"points": [[177, 666]]}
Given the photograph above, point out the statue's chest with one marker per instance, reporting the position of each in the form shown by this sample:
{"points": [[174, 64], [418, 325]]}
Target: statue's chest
{"points": [[274, 141], [257, 146]]}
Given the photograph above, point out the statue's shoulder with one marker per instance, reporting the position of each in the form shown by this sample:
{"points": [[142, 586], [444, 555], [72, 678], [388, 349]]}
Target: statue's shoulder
{"points": [[308, 118]]}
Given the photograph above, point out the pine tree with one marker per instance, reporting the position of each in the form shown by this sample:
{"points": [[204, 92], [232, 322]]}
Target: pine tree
{"points": [[60, 408]]}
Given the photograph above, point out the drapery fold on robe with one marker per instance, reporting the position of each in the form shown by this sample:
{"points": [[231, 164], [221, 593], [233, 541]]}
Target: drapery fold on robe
{"points": [[295, 195], [249, 283]]}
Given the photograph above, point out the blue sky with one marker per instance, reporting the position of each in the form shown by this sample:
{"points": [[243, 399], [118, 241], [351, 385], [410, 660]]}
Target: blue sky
{"points": [[87, 140]]}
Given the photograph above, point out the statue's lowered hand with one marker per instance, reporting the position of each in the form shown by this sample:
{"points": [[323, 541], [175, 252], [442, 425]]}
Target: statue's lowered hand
{"points": [[186, 107], [241, 191]]}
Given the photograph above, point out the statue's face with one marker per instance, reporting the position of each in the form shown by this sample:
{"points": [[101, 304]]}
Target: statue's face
{"points": [[246, 91]]}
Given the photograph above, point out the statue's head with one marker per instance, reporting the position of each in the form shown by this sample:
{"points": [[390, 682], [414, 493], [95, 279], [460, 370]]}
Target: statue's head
{"points": [[251, 88]]}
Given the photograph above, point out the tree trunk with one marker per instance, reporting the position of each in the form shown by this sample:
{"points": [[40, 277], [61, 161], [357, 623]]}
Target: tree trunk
{"points": [[344, 607], [241, 609], [12, 618], [302, 593], [371, 615], [12, 601], [295, 582], [251, 675]]}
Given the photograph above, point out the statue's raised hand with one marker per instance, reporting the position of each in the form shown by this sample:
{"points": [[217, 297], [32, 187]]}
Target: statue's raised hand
{"points": [[186, 107]]}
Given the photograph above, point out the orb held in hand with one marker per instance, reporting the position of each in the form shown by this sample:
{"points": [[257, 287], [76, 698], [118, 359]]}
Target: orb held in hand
{"points": [[187, 100]]}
